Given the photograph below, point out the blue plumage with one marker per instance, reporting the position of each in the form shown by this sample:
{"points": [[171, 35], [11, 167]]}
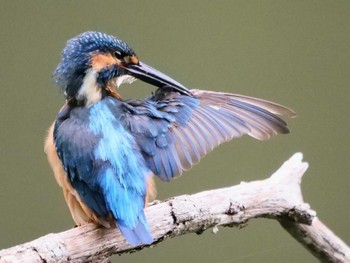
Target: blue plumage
{"points": [[110, 147], [104, 164]]}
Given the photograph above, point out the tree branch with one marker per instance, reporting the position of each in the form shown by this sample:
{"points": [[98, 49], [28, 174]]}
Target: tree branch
{"points": [[278, 197]]}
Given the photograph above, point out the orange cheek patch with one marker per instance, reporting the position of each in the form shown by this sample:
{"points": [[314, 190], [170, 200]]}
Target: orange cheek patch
{"points": [[100, 61], [134, 60]]}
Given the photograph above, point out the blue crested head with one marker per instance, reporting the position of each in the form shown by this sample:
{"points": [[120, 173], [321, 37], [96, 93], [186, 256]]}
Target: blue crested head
{"points": [[93, 63], [77, 58]]}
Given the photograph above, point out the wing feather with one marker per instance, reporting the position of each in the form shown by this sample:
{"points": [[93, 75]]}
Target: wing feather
{"points": [[174, 131]]}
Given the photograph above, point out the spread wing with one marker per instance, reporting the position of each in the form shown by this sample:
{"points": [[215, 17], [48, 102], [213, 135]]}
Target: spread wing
{"points": [[175, 131]]}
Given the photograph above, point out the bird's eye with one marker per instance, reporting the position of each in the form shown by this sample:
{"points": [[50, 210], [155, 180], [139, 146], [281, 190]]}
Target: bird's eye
{"points": [[118, 55]]}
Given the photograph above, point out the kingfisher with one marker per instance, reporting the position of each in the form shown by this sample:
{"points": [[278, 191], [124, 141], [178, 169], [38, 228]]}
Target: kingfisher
{"points": [[105, 150]]}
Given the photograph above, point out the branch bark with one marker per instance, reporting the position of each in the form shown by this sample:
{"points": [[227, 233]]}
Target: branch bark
{"points": [[278, 197]]}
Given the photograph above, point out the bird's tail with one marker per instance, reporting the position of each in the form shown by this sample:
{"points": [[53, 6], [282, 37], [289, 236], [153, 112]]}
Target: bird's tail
{"points": [[138, 235]]}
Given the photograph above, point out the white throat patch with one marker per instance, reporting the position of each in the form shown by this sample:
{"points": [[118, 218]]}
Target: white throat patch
{"points": [[124, 79], [89, 90], [91, 93]]}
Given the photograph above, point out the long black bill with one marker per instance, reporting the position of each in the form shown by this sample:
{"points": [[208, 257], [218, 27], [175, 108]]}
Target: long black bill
{"points": [[154, 77]]}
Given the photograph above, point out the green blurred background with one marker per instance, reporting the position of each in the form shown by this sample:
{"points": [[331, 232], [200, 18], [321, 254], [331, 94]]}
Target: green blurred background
{"points": [[292, 52]]}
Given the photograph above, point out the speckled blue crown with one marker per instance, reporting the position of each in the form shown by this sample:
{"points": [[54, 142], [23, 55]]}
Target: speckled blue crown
{"points": [[76, 54]]}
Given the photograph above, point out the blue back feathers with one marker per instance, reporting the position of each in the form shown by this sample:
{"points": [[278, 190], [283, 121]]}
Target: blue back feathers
{"points": [[105, 166]]}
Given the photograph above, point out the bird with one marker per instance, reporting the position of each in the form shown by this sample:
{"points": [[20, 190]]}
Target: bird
{"points": [[105, 150]]}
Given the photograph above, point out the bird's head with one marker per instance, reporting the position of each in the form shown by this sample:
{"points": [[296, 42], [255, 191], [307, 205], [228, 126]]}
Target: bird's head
{"points": [[94, 63]]}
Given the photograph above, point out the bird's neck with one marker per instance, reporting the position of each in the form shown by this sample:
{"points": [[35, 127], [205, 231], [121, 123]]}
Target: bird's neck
{"points": [[91, 92]]}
